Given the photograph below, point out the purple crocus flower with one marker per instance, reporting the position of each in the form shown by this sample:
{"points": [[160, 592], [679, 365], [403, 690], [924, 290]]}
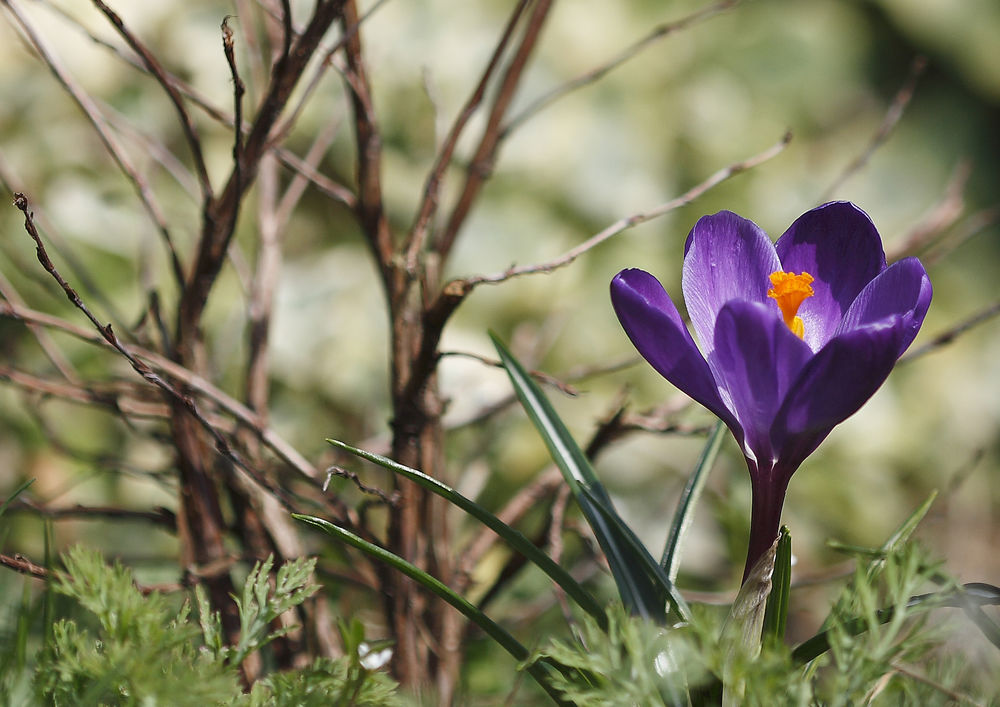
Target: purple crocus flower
{"points": [[795, 336]]}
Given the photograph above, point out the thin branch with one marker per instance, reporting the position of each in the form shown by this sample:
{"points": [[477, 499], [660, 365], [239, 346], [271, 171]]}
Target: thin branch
{"points": [[45, 342], [114, 148], [432, 187], [574, 375], [658, 33], [121, 398], [321, 69], [481, 165], [934, 684], [327, 186], [288, 32], [556, 529], [21, 564], [528, 498], [892, 117], [939, 219], [463, 287], [293, 193], [148, 374], [948, 336], [220, 217], [238, 90], [284, 451], [370, 208], [539, 376], [389, 499], [163, 78], [974, 225], [324, 184], [158, 516]]}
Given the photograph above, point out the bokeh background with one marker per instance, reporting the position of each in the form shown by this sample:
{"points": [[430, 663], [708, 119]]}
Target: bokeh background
{"points": [[688, 104]]}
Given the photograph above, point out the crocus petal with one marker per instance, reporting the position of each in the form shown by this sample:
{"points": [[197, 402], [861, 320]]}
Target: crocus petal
{"points": [[903, 290], [756, 359], [839, 246], [652, 322], [726, 257], [832, 386]]}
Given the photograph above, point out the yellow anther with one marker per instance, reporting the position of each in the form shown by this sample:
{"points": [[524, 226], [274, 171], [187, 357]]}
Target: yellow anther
{"points": [[789, 291]]}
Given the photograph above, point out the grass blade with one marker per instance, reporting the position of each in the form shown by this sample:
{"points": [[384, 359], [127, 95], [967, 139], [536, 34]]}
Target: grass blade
{"points": [[673, 596], [514, 538], [776, 613], [971, 595], [17, 492], [492, 629], [684, 514], [640, 593]]}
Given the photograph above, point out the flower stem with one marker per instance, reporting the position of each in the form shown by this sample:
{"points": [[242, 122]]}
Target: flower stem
{"points": [[765, 513]]}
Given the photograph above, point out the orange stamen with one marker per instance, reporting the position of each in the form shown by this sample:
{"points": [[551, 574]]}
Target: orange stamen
{"points": [[789, 291]]}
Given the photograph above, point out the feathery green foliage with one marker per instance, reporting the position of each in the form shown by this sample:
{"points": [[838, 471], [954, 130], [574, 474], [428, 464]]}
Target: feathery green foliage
{"points": [[131, 649], [891, 662], [142, 651]]}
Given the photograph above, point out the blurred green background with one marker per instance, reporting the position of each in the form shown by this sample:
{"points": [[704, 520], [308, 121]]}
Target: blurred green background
{"points": [[699, 99]]}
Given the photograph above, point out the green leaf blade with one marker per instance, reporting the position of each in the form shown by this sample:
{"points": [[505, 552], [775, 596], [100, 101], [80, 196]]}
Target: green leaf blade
{"points": [[513, 537], [444, 592], [684, 514], [639, 591]]}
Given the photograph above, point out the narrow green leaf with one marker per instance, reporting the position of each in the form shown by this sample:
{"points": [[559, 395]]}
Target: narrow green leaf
{"points": [[640, 593], [898, 537], [513, 537], [684, 514], [971, 595], [17, 492], [776, 614], [906, 528], [492, 629], [652, 567]]}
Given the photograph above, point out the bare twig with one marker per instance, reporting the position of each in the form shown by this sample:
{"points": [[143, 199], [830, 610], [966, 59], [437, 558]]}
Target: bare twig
{"points": [[556, 545], [975, 224], [948, 336], [21, 564], [957, 697], [310, 88], [121, 398], [432, 187], [144, 370], [481, 165], [238, 90], [631, 221], [540, 376], [659, 32], [526, 499], [370, 209], [288, 454], [48, 346], [114, 148], [389, 499], [156, 69], [290, 199], [158, 516], [939, 219], [324, 184], [892, 117], [219, 222]]}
